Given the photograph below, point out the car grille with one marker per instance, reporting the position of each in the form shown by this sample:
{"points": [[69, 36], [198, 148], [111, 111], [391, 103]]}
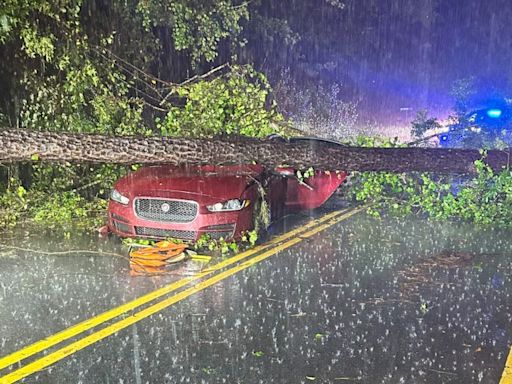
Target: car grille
{"points": [[122, 227], [218, 235], [165, 233], [218, 231], [177, 211]]}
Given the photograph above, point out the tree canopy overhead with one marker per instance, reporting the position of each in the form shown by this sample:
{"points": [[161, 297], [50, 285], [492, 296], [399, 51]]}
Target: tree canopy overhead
{"points": [[106, 66]]}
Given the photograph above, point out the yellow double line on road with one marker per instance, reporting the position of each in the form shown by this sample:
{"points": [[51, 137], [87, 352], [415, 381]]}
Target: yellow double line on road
{"points": [[506, 377], [271, 248]]}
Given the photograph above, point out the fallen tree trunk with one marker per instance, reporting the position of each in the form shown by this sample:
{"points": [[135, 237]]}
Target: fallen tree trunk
{"points": [[26, 145]]}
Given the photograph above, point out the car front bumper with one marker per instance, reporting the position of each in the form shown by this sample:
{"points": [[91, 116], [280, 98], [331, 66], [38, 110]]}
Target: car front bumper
{"points": [[123, 221]]}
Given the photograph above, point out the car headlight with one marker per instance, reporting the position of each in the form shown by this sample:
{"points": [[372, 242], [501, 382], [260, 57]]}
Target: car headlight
{"points": [[116, 196], [229, 205]]}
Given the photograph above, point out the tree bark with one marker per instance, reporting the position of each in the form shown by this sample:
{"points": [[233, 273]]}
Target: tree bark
{"points": [[27, 145]]}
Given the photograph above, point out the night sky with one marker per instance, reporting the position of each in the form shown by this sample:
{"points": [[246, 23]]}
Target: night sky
{"points": [[392, 54]]}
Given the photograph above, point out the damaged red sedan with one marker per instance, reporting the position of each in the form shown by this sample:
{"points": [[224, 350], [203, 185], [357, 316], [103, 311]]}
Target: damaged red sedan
{"points": [[221, 201]]}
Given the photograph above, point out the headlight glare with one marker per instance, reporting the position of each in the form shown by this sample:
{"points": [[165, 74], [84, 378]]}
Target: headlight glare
{"points": [[229, 205], [116, 196]]}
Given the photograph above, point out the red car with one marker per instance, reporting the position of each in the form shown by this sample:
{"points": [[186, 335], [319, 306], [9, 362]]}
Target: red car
{"points": [[186, 202]]}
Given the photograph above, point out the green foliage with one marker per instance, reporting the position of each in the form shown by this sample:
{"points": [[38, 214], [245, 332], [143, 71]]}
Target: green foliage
{"points": [[235, 103], [250, 237], [86, 99], [16, 20], [400, 194], [60, 196], [67, 75], [13, 203], [487, 199], [197, 26], [69, 209], [57, 81], [205, 242], [423, 123], [484, 199], [146, 242], [59, 210], [375, 141], [304, 174]]}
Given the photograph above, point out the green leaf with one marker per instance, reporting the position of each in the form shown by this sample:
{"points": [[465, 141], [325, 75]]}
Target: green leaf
{"points": [[4, 24], [21, 192]]}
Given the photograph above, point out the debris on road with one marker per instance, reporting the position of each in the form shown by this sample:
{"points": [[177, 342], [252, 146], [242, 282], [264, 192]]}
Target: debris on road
{"points": [[421, 274], [156, 260]]}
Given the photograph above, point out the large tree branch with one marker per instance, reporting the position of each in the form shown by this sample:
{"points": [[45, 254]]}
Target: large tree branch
{"points": [[22, 145]]}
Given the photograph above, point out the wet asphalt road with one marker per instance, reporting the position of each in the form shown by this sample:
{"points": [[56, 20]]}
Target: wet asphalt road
{"points": [[365, 301]]}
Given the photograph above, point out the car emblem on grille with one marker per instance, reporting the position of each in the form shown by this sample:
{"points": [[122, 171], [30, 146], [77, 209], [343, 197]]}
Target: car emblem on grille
{"points": [[165, 207]]}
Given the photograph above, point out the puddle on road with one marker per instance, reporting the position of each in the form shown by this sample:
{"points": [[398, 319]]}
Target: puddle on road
{"points": [[47, 289], [334, 309], [367, 301], [416, 302]]}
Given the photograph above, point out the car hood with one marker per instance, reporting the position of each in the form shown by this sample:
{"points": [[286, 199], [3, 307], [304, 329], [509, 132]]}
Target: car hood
{"points": [[198, 183]]}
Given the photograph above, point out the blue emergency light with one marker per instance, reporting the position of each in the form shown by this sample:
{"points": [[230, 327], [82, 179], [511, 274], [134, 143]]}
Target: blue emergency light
{"points": [[494, 113]]}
